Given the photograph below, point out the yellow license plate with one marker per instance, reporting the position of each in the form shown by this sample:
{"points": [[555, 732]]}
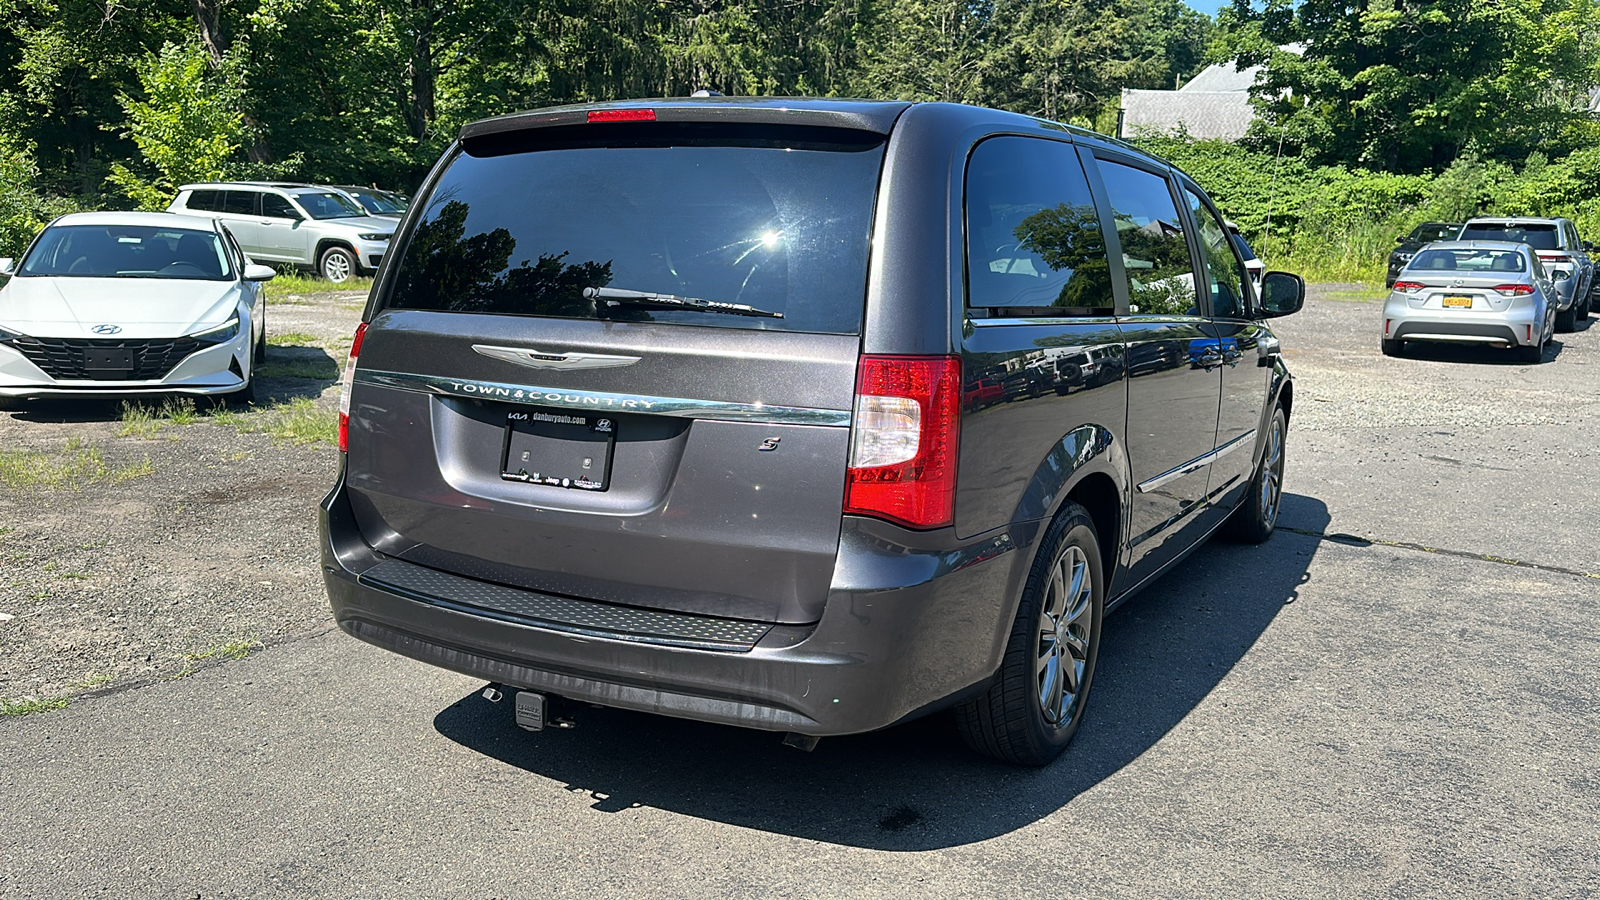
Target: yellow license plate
{"points": [[1458, 301]]}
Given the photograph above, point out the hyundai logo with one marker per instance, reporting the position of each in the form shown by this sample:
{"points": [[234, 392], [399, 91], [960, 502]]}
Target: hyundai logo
{"points": [[107, 329]]}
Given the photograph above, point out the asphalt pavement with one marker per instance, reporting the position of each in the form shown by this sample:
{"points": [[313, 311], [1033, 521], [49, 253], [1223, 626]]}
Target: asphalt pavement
{"points": [[1395, 696]]}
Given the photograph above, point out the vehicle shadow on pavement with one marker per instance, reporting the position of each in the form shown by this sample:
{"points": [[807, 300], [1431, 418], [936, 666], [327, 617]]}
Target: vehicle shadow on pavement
{"points": [[1473, 355], [916, 786]]}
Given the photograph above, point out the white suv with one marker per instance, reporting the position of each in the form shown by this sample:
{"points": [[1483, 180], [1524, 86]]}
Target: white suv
{"points": [[299, 224]]}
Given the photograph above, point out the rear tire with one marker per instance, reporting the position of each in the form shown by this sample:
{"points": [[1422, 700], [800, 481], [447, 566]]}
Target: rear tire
{"points": [[1393, 348], [1034, 707], [1254, 519], [337, 264], [1567, 319], [1532, 354]]}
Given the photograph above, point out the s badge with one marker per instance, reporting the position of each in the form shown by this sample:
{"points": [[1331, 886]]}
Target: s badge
{"points": [[769, 444]]}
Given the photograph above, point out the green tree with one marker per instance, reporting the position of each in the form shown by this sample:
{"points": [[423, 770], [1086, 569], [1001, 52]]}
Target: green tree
{"points": [[187, 128], [1405, 85]]}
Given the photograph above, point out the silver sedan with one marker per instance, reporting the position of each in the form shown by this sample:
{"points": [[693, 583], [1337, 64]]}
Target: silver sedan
{"points": [[1472, 292]]}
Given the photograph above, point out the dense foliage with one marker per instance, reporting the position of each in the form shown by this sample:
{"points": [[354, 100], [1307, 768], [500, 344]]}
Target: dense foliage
{"points": [[1397, 111]]}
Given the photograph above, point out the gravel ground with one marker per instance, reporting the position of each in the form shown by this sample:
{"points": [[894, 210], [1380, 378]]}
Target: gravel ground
{"points": [[115, 577]]}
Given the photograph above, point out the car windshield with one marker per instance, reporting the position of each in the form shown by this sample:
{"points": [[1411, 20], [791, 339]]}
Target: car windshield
{"points": [[377, 202], [1244, 248], [328, 205], [773, 218], [1539, 236], [1435, 232], [1468, 260], [127, 251]]}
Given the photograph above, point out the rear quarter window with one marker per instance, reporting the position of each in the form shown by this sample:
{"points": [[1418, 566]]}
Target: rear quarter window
{"points": [[1033, 232], [778, 219]]}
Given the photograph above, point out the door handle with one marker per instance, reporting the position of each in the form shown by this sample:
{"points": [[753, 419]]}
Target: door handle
{"points": [[1267, 350]]}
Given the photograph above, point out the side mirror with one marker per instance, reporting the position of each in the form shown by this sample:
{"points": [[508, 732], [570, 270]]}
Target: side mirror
{"points": [[8, 266], [1588, 247], [1400, 240], [1282, 293], [253, 272]]}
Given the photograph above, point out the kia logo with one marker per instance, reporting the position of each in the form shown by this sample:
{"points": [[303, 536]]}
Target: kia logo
{"points": [[107, 329]]}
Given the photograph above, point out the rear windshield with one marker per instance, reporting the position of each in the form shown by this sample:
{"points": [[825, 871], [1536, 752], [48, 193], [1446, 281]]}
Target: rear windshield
{"points": [[777, 220], [1537, 236], [128, 251], [1468, 260]]}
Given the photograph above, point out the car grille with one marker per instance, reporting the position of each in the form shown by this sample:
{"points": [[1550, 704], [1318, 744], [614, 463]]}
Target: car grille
{"points": [[63, 358]]}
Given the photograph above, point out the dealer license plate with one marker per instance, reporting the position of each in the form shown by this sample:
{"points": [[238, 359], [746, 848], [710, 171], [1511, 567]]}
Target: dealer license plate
{"points": [[559, 449], [1458, 301]]}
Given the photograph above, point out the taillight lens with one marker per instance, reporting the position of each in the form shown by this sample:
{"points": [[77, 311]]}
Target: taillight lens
{"points": [[345, 382], [1408, 287], [904, 440], [1513, 290]]}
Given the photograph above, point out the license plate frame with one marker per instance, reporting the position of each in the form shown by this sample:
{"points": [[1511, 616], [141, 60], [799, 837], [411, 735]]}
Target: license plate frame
{"points": [[108, 359], [560, 449], [1456, 301]]}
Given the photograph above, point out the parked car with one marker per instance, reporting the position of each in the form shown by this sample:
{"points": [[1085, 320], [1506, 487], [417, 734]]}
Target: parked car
{"points": [[128, 304], [688, 436], [1472, 292], [1252, 263], [302, 225], [1561, 252], [373, 201], [1407, 245]]}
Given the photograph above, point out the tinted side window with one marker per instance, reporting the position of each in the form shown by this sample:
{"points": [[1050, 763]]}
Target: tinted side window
{"points": [[1155, 256], [204, 200], [239, 203], [1033, 234], [1225, 275], [277, 207]]}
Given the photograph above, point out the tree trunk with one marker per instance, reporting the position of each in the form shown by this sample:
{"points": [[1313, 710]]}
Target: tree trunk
{"points": [[420, 113], [208, 15]]}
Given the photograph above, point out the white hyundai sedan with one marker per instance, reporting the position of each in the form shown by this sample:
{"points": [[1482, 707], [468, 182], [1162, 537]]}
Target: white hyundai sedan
{"points": [[126, 303]]}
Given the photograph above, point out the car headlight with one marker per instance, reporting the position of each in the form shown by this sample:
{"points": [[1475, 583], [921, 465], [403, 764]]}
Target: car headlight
{"points": [[373, 237], [220, 334]]}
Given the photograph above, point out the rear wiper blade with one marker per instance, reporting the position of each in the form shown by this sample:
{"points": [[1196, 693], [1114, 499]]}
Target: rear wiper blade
{"points": [[620, 297]]}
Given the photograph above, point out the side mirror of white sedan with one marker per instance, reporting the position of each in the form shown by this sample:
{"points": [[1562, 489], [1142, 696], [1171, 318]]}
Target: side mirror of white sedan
{"points": [[253, 272], [7, 265]]}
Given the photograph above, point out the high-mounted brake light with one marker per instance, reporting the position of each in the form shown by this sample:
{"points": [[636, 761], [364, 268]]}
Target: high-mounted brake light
{"points": [[1513, 290], [904, 440], [345, 383], [1408, 287], [622, 115]]}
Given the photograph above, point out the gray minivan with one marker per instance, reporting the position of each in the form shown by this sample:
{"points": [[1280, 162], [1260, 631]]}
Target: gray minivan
{"points": [[809, 416]]}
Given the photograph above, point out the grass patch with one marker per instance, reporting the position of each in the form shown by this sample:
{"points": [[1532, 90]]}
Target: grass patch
{"points": [[94, 680], [144, 420], [301, 421], [30, 706], [235, 649], [74, 467], [320, 368], [292, 339], [294, 288]]}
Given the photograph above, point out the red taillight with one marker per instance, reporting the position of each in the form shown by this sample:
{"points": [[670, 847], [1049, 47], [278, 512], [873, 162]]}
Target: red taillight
{"points": [[1408, 287], [345, 383], [1555, 258], [1513, 290], [904, 438], [622, 115]]}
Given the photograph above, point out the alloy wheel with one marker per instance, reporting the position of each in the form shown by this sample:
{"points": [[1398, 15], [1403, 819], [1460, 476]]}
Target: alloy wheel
{"points": [[336, 267], [1272, 474], [1066, 617]]}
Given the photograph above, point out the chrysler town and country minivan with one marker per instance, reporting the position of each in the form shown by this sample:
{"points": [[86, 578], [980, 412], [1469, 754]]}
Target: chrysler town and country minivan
{"points": [[807, 416]]}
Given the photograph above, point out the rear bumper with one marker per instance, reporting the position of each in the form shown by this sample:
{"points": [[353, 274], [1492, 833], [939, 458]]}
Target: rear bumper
{"points": [[912, 620], [1511, 328]]}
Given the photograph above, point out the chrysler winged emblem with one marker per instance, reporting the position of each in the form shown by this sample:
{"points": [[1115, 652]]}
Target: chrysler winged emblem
{"points": [[546, 359]]}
